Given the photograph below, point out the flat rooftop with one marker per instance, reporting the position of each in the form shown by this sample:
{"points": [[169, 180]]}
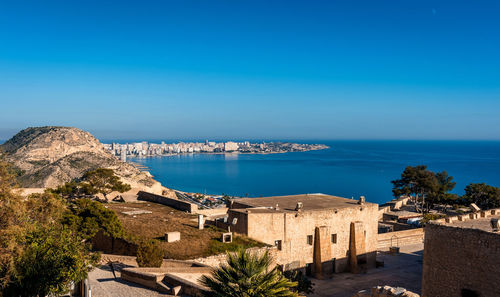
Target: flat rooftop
{"points": [[288, 203], [479, 223], [404, 214]]}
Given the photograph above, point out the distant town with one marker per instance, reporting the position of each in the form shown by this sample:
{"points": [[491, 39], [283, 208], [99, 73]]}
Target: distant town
{"points": [[145, 149]]}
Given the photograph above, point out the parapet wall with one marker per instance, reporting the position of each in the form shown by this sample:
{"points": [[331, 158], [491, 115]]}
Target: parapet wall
{"points": [[400, 238], [174, 203], [217, 260], [470, 216]]}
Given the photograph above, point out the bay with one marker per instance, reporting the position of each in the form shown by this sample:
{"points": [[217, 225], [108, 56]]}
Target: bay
{"points": [[348, 169]]}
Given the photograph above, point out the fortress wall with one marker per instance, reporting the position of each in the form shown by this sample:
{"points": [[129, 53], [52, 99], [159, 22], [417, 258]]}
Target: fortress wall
{"points": [[457, 259]]}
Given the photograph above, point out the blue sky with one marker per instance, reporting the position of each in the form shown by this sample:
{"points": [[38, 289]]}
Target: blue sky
{"points": [[406, 69]]}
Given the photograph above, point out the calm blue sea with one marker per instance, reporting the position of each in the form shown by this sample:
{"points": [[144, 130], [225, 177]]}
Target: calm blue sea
{"points": [[348, 168]]}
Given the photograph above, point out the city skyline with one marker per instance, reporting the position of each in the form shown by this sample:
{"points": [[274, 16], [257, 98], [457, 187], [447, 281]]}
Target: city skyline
{"points": [[253, 70]]}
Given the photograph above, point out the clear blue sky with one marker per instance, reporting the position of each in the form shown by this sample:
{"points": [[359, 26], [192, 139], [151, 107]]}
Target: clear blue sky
{"points": [[402, 69]]}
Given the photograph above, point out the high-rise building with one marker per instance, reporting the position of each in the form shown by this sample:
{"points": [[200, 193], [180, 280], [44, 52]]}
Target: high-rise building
{"points": [[123, 156]]}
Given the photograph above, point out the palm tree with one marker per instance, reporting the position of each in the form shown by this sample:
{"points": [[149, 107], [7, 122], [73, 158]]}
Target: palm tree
{"points": [[247, 275]]}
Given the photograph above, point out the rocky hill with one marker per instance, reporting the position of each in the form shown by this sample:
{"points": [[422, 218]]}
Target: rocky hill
{"points": [[51, 156]]}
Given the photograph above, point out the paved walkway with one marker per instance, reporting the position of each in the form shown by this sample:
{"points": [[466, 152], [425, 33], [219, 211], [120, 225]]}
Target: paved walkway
{"points": [[403, 270], [104, 283]]}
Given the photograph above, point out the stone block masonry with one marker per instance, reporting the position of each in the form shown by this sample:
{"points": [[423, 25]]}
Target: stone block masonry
{"points": [[172, 236], [461, 258]]}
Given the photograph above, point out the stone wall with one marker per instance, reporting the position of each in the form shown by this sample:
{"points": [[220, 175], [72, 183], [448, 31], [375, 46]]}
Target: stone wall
{"points": [[212, 211], [217, 260], [460, 261], [400, 238], [174, 203]]}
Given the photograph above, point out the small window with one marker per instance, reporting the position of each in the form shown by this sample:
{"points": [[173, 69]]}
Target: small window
{"points": [[277, 243], [334, 238], [309, 239], [365, 234]]}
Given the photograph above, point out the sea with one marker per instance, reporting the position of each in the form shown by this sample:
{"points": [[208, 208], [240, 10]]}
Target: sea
{"points": [[348, 168]]}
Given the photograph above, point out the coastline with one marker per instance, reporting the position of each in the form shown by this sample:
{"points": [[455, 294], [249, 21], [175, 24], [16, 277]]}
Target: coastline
{"points": [[226, 153]]}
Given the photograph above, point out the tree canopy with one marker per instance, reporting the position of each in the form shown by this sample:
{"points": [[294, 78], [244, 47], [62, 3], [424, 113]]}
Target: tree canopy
{"points": [[427, 187], [52, 258], [248, 275], [87, 217], [101, 180], [39, 255], [483, 195]]}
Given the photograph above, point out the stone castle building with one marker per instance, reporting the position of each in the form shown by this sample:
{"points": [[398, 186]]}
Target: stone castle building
{"points": [[320, 233], [462, 256]]}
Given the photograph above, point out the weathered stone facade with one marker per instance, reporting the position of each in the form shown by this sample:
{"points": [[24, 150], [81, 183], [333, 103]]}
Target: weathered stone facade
{"points": [[462, 257], [316, 237]]}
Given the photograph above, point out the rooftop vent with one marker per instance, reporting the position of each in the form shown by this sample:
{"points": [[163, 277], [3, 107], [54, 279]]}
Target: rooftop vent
{"points": [[362, 200], [494, 224], [299, 206]]}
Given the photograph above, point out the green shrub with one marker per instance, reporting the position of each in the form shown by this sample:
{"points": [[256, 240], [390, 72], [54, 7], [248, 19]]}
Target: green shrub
{"points": [[149, 254], [239, 242], [432, 216], [304, 285], [87, 217]]}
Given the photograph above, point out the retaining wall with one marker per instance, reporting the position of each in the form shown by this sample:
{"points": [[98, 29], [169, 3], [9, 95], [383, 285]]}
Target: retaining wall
{"points": [[174, 203], [400, 238], [217, 260]]}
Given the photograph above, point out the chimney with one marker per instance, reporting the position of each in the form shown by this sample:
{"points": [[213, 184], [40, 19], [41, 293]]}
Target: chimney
{"points": [[299, 206], [361, 200], [494, 224]]}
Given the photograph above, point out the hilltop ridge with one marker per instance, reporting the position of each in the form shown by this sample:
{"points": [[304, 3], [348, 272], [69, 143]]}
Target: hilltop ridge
{"points": [[52, 155]]}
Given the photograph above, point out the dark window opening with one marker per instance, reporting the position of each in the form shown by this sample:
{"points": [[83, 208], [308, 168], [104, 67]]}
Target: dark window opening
{"points": [[308, 269], [309, 239], [277, 243], [469, 293], [334, 238]]}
